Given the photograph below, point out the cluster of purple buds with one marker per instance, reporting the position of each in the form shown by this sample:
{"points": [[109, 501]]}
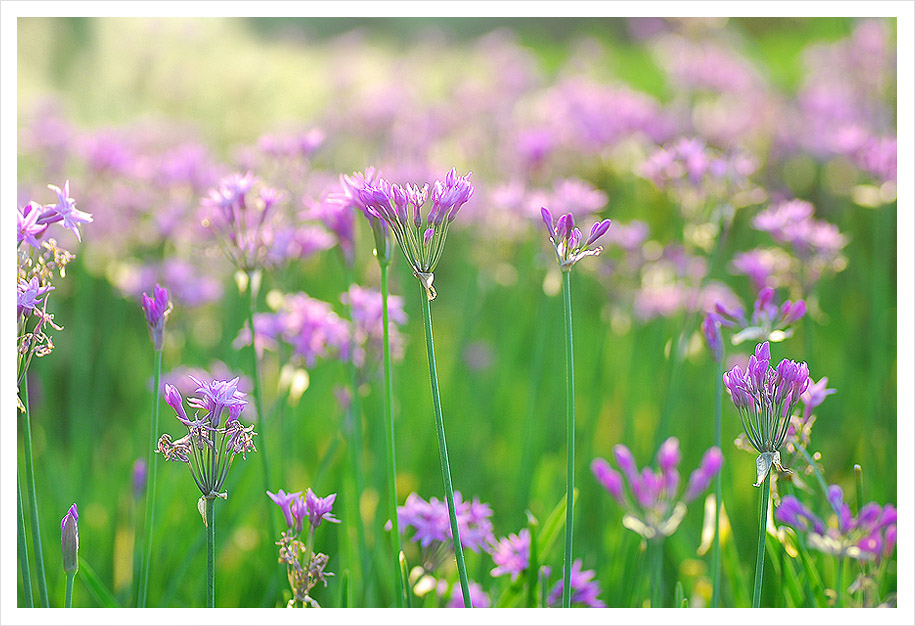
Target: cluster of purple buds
{"points": [[655, 507], [241, 225], [432, 526], [304, 567], [212, 441], [156, 309], [765, 398], [421, 238], [869, 536], [32, 221], [568, 240], [349, 198], [769, 322]]}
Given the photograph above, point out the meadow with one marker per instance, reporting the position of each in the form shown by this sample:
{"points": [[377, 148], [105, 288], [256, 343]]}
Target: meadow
{"points": [[746, 166]]}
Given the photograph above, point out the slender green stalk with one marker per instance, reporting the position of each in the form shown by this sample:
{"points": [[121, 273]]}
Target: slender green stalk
{"points": [[816, 471], [656, 550], [761, 547], [716, 544], [33, 497], [443, 450], [570, 438], [211, 552], [23, 547], [151, 464], [859, 489], [389, 436], [259, 403], [840, 584], [68, 599]]}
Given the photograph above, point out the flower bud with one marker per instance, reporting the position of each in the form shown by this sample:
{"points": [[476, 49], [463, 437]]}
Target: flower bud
{"points": [[69, 540]]}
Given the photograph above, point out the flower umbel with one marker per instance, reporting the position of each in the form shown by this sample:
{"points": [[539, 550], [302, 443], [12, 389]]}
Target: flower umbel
{"points": [[765, 398], [157, 309], [567, 239]]}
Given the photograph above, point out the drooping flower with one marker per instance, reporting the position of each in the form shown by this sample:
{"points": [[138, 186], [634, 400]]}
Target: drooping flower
{"points": [[765, 398], [157, 309], [567, 240], [656, 506], [69, 540]]}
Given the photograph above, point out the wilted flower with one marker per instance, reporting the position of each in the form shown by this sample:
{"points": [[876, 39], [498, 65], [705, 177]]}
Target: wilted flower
{"points": [[421, 238], [567, 239], [869, 536], [765, 398], [157, 309], [656, 507], [69, 540]]}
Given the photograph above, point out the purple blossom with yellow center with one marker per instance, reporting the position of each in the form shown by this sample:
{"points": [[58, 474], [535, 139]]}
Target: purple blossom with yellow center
{"points": [[654, 505], [871, 535], [156, 309], [212, 441], [567, 240], [765, 398], [421, 237]]}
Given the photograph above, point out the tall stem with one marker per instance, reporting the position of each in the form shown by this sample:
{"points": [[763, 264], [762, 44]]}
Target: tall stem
{"points": [[33, 496], [23, 547], [259, 403], [389, 436], [761, 546], [68, 599], [443, 450], [840, 585], [716, 545], [211, 552], [656, 555], [146, 556], [570, 438]]}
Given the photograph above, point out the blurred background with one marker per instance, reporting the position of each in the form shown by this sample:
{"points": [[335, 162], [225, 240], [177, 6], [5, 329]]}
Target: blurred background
{"points": [[143, 116]]}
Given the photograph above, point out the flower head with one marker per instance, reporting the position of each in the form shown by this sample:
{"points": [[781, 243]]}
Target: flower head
{"points": [[764, 398], [69, 540], [567, 239], [421, 238], [319, 509], [512, 554], [29, 295], [584, 588], [769, 322], [27, 227], [656, 506], [65, 211], [157, 309], [284, 501]]}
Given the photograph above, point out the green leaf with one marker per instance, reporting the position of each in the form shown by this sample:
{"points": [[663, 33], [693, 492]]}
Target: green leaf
{"points": [[344, 589], [96, 587]]}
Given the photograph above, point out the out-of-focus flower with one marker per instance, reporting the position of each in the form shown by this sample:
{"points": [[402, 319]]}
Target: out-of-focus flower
{"points": [[511, 554], [368, 331], [869, 536], [479, 599], [814, 395], [711, 333], [656, 506], [765, 398], [769, 321], [140, 472], [585, 589]]}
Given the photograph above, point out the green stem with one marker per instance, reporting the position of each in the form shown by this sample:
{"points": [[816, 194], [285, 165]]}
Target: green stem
{"points": [[840, 586], [68, 599], [211, 552], [761, 547], [716, 545], [389, 436], [656, 549], [33, 497], [859, 489], [23, 547], [443, 450], [151, 464], [816, 471], [259, 404], [570, 438]]}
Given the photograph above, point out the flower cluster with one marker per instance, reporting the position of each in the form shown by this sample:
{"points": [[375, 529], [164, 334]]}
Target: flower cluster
{"points": [[367, 326], [511, 554], [769, 321], [655, 509], [304, 567], [869, 536], [567, 239], [421, 238], [765, 398], [432, 526], [212, 441], [156, 309], [585, 589]]}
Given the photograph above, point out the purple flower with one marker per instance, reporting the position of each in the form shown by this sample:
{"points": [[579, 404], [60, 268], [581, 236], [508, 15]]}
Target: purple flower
{"points": [[511, 554], [655, 509], [479, 599], [584, 588], [157, 309], [218, 395], [284, 500], [29, 294], [814, 395], [367, 329], [765, 398], [65, 210], [337, 217], [69, 540], [567, 240], [711, 333], [27, 227], [319, 508]]}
